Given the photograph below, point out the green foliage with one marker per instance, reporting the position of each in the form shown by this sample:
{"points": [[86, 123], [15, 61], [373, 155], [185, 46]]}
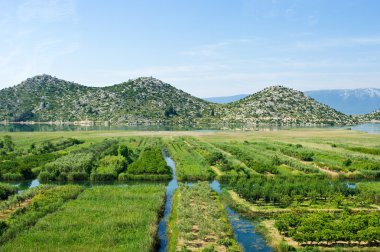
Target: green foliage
{"points": [[170, 111], [6, 190], [366, 150], [256, 161], [7, 143], [127, 153], [347, 162], [46, 201], [109, 168], [16, 199], [78, 164], [369, 192], [330, 227], [282, 189], [151, 161], [190, 164], [150, 166], [20, 163], [51, 146], [298, 152]]}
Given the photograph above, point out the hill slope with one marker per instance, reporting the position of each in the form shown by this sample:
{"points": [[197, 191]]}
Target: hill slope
{"points": [[349, 101], [281, 104], [45, 98], [373, 116]]}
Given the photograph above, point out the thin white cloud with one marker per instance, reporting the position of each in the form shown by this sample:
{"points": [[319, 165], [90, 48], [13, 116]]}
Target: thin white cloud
{"points": [[339, 42], [46, 10], [215, 49]]}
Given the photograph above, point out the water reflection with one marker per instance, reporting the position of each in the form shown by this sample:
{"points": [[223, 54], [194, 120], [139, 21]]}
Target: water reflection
{"points": [[162, 226], [244, 229]]}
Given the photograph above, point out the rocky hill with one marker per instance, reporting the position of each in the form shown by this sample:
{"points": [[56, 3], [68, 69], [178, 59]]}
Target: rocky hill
{"points": [[370, 117], [278, 104], [45, 98], [143, 100]]}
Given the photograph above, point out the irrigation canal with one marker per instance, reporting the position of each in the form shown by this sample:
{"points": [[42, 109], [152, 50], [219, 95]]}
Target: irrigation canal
{"points": [[244, 229]]}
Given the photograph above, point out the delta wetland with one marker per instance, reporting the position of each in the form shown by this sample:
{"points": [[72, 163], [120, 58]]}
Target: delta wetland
{"points": [[297, 189]]}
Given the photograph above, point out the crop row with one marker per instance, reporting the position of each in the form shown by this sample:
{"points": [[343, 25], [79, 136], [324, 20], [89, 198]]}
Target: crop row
{"points": [[17, 163], [187, 231], [331, 227], [189, 163]]}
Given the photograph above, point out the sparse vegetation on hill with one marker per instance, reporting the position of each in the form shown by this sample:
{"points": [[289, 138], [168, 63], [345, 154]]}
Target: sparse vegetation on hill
{"points": [[373, 116], [144, 100], [277, 105]]}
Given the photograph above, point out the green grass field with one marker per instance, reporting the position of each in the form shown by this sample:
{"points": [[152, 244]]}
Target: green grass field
{"points": [[102, 218]]}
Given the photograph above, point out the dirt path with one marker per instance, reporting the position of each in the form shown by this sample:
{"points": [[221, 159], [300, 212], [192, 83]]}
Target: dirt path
{"points": [[330, 173], [5, 214], [274, 236], [217, 171]]}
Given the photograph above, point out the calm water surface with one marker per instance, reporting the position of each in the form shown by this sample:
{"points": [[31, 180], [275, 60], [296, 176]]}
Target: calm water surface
{"points": [[244, 229], [162, 226], [372, 128]]}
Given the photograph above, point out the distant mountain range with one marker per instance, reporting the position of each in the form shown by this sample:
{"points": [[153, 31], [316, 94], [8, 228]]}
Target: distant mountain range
{"points": [[348, 101], [226, 99], [145, 100]]}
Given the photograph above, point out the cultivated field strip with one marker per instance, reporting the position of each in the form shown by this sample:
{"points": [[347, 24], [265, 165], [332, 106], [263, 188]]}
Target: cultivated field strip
{"points": [[102, 218]]}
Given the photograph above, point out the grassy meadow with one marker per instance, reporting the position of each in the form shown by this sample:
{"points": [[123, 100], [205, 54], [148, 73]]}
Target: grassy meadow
{"points": [[102, 218]]}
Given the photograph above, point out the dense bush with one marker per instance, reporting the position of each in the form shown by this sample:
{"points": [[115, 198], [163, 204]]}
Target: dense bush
{"points": [[109, 168], [298, 151], [78, 164], [151, 161], [6, 191], [369, 192], [255, 161], [16, 199], [51, 146], [142, 177], [283, 189], [6, 144], [20, 163], [365, 150]]}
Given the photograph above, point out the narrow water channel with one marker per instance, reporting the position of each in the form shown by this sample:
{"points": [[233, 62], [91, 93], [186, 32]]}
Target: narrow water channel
{"points": [[244, 229], [162, 226]]}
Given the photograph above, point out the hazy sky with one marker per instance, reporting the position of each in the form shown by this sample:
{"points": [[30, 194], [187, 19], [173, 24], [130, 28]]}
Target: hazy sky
{"points": [[204, 47]]}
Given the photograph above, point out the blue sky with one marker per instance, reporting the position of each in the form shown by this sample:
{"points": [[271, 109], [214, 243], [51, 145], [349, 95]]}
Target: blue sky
{"points": [[204, 47]]}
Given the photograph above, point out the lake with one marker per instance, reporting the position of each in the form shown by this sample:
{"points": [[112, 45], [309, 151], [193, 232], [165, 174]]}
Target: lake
{"points": [[372, 128]]}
